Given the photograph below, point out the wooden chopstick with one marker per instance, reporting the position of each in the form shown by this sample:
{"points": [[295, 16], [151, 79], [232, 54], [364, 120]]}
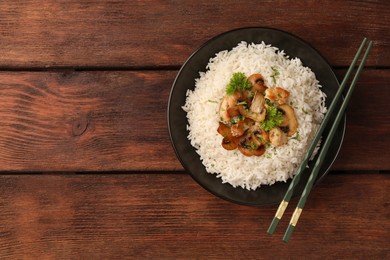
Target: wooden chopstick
{"points": [[296, 179], [324, 150]]}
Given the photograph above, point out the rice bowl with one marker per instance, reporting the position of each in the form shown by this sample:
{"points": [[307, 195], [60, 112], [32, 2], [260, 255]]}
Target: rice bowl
{"points": [[278, 164], [185, 80]]}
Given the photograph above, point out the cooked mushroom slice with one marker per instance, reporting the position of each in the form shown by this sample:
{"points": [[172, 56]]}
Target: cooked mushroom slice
{"points": [[243, 96], [233, 111], [257, 82], [230, 143], [259, 136], [292, 120], [257, 103], [224, 130], [277, 137], [248, 151], [260, 151], [227, 102], [240, 128], [277, 94], [257, 111], [248, 147], [285, 120]]}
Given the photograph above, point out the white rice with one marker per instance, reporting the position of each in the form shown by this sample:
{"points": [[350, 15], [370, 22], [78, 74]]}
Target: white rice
{"points": [[202, 106]]}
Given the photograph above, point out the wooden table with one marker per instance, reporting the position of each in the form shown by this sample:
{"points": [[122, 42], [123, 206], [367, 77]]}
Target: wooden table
{"points": [[87, 168]]}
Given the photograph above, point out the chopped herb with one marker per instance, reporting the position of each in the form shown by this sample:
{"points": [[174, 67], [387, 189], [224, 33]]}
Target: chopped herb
{"points": [[260, 139], [304, 111], [242, 103], [237, 82], [273, 118], [296, 137], [268, 102], [253, 146], [275, 74], [236, 119], [212, 101]]}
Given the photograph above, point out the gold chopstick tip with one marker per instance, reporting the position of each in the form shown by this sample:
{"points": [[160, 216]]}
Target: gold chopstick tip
{"points": [[282, 207], [295, 216]]}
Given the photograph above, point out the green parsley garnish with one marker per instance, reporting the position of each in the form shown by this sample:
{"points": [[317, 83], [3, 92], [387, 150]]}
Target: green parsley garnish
{"points": [[237, 82], [273, 118], [296, 137], [275, 74], [242, 103], [253, 146]]}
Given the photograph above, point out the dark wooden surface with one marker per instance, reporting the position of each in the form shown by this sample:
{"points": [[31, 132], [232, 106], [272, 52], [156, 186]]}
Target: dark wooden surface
{"points": [[86, 166], [170, 216], [121, 33], [116, 121]]}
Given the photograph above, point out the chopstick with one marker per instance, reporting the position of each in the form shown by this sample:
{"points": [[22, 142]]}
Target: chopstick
{"points": [[283, 205], [323, 153]]}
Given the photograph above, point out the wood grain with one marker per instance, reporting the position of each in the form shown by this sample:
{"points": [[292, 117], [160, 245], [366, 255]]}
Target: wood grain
{"points": [[368, 124], [84, 87], [97, 33], [85, 121], [116, 121], [170, 216]]}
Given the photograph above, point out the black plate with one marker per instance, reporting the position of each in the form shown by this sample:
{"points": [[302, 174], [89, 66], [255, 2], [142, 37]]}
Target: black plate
{"points": [[177, 121]]}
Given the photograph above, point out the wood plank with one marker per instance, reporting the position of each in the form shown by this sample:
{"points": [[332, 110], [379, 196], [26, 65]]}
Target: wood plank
{"points": [[170, 216], [96, 33], [116, 121], [366, 142], [85, 121]]}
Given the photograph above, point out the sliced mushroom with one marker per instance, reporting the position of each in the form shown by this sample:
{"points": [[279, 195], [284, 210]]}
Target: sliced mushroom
{"points": [[259, 136], [285, 120], [257, 111], [257, 82], [240, 128], [243, 96], [248, 149], [277, 137], [257, 103], [260, 151], [249, 146], [230, 143], [233, 111], [291, 119], [224, 109], [224, 130]]}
